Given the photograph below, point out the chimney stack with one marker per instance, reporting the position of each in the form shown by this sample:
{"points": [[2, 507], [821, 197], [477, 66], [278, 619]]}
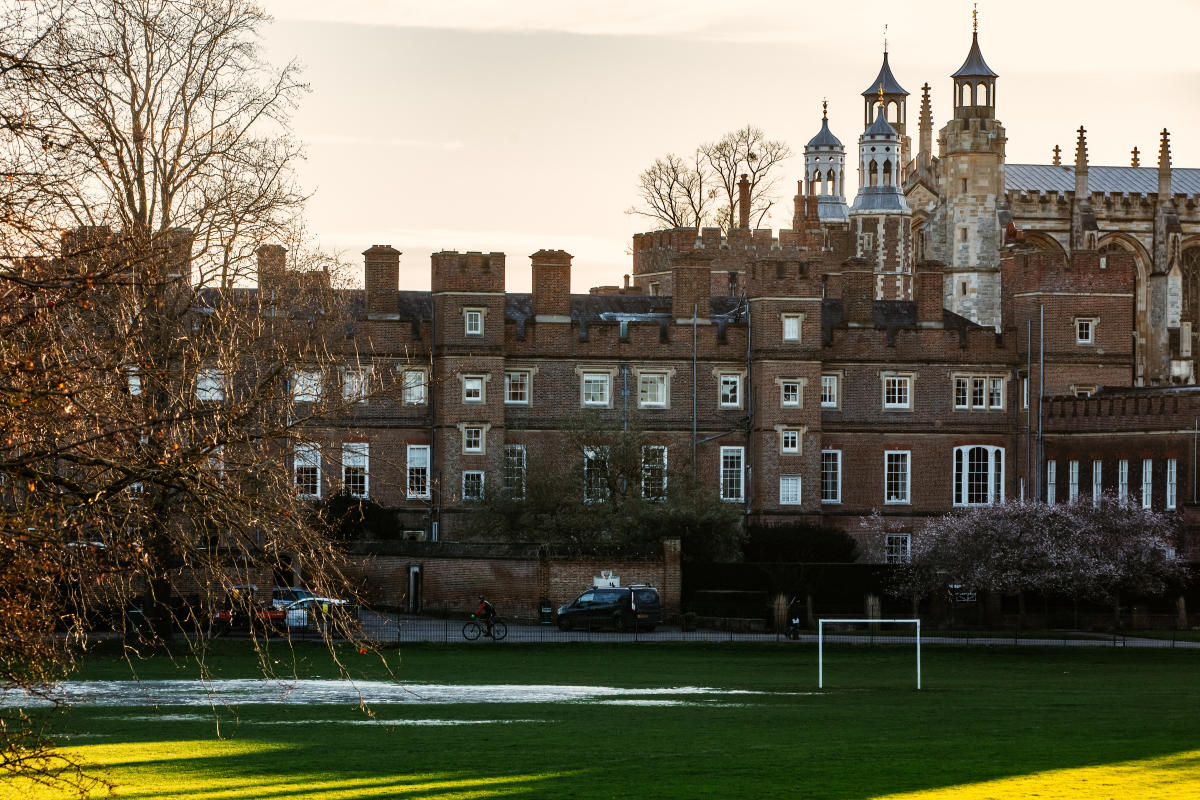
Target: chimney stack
{"points": [[551, 285], [744, 203], [381, 277], [691, 275], [272, 265]]}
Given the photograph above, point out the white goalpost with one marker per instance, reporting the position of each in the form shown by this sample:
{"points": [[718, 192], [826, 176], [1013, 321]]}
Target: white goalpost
{"points": [[821, 643]]}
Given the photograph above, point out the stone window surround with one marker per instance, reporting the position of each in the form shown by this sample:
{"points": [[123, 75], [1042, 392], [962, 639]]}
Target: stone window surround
{"points": [[482, 311], [783, 317], [884, 375], [485, 377], [803, 383], [801, 432], [529, 373], [611, 372], [718, 373], [1093, 323], [424, 373], [484, 428], [667, 372], [838, 376], [364, 373]]}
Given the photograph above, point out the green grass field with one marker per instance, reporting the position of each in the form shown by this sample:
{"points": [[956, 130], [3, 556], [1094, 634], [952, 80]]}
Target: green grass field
{"points": [[990, 722]]}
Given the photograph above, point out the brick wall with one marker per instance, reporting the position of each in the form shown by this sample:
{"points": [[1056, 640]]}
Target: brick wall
{"points": [[513, 577]]}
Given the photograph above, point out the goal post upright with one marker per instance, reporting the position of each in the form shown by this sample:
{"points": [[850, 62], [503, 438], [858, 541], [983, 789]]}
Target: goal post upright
{"points": [[821, 644]]}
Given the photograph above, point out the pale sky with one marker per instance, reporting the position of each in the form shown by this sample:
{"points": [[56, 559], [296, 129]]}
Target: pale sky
{"points": [[516, 125]]}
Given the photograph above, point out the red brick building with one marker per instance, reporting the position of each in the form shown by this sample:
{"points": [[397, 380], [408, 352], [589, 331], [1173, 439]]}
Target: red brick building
{"points": [[963, 333]]}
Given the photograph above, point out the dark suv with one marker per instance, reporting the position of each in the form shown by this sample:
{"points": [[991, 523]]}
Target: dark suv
{"points": [[634, 607]]}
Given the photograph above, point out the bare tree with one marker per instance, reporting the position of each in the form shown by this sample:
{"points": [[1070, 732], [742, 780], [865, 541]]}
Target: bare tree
{"points": [[677, 192], [681, 193], [162, 419], [746, 151]]}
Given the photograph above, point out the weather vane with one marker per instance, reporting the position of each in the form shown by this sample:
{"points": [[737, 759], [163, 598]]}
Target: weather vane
{"points": [[975, 18], [885, 37]]}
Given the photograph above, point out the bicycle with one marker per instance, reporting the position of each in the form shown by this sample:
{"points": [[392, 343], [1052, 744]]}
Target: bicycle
{"points": [[475, 628]]}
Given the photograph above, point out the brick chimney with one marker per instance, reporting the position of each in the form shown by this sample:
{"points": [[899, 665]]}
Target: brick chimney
{"points": [[272, 265], [551, 285], [691, 275], [930, 283], [381, 278], [859, 300], [744, 203]]}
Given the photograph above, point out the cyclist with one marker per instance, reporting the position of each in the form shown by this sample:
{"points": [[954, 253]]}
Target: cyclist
{"points": [[486, 613]]}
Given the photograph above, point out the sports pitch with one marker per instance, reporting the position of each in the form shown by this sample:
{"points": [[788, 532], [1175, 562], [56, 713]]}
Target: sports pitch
{"points": [[657, 721]]}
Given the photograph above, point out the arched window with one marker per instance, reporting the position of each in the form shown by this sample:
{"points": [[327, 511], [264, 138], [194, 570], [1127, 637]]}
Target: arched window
{"points": [[814, 182], [978, 475], [873, 173], [887, 173]]}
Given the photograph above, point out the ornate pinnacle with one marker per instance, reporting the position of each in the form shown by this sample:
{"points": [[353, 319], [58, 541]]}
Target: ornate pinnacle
{"points": [[975, 19], [1136, 161], [824, 108], [1057, 156], [1164, 151], [1081, 149]]}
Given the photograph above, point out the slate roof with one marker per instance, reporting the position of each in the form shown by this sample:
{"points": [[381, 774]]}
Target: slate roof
{"points": [[1049, 179], [885, 76], [974, 66], [824, 137], [880, 127]]}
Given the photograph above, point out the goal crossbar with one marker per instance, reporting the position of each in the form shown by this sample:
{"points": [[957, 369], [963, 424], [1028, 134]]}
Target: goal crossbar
{"points": [[821, 644]]}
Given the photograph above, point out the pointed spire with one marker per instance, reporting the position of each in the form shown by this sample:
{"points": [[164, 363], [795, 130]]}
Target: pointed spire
{"points": [[1081, 166], [1135, 160], [885, 77], [824, 137], [1057, 156], [975, 66], [925, 121], [1164, 166]]}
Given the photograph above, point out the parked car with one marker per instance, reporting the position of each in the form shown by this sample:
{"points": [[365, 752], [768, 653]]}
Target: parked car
{"points": [[636, 607], [312, 611], [284, 596]]}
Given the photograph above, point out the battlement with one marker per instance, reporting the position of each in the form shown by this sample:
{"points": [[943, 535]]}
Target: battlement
{"points": [[1083, 271], [655, 251], [452, 271]]}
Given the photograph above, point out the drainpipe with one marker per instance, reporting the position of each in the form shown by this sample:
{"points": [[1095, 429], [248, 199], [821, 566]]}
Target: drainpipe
{"points": [[749, 417], [695, 311], [625, 397], [1041, 445]]}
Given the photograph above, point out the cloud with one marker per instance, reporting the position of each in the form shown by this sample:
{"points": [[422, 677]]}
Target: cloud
{"points": [[413, 144], [705, 19]]}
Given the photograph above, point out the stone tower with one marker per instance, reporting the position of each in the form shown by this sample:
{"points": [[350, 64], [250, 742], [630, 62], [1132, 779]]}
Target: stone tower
{"points": [[966, 231], [880, 219], [825, 173], [895, 109]]}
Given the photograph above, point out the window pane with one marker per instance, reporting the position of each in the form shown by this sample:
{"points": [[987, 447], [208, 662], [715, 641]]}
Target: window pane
{"points": [[414, 386], [514, 470], [731, 473], [654, 472], [831, 476]]}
